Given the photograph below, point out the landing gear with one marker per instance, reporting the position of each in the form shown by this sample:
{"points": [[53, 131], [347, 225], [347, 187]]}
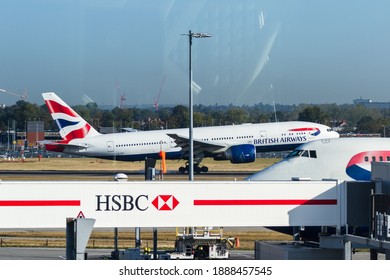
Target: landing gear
{"points": [[197, 169], [183, 169]]}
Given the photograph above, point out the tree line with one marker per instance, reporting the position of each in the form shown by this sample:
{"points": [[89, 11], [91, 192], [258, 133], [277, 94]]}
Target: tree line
{"points": [[353, 118]]}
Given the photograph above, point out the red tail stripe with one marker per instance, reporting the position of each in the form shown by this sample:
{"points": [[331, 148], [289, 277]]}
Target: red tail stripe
{"points": [[238, 202], [79, 133], [40, 203], [55, 107]]}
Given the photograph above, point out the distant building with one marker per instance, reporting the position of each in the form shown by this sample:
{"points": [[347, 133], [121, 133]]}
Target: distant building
{"points": [[362, 101], [35, 132], [369, 104]]}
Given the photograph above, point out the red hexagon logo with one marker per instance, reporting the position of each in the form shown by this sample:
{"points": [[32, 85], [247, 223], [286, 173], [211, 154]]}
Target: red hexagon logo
{"points": [[165, 202]]}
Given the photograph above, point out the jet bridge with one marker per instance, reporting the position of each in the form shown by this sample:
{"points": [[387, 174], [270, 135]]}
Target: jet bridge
{"points": [[366, 218], [111, 204], [47, 204]]}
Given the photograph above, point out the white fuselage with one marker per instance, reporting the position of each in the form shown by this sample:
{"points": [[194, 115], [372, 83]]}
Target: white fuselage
{"points": [[342, 159], [134, 146]]}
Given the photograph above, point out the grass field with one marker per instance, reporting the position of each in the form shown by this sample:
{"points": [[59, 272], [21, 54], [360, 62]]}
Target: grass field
{"points": [[104, 165], [104, 239]]}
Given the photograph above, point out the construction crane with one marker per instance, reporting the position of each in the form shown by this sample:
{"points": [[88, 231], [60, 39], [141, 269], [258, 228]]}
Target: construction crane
{"points": [[155, 101], [21, 96], [122, 96]]}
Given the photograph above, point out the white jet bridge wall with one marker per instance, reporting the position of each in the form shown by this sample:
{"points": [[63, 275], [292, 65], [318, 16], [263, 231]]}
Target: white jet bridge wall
{"points": [[46, 204]]}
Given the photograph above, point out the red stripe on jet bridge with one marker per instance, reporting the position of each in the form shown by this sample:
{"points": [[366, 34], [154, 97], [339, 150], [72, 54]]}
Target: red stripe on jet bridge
{"points": [[40, 203], [254, 202]]}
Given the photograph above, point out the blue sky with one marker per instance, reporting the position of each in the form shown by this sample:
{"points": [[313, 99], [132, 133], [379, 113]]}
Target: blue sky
{"points": [[287, 52]]}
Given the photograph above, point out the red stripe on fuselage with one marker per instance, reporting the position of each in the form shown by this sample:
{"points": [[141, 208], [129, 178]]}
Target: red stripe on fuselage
{"points": [[361, 157], [304, 129]]}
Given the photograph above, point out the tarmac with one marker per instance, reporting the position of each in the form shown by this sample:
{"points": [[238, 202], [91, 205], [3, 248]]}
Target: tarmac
{"points": [[17, 253]]}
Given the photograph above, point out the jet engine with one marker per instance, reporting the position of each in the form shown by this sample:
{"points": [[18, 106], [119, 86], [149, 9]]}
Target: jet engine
{"points": [[239, 154]]}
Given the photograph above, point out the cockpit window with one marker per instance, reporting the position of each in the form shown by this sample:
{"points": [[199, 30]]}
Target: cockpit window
{"points": [[295, 153], [303, 153]]}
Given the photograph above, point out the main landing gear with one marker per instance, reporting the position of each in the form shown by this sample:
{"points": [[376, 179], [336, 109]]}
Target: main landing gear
{"points": [[197, 169]]}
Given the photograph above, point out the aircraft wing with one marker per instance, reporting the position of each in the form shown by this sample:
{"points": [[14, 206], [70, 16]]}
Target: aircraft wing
{"points": [[199, 145]]}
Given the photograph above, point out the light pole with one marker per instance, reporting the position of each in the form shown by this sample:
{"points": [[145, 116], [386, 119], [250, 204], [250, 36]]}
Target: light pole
{"points": [[190, 105]]}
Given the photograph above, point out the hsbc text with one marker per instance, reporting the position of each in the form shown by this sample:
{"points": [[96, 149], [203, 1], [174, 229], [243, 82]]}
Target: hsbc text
{"points": [[121, 202]]}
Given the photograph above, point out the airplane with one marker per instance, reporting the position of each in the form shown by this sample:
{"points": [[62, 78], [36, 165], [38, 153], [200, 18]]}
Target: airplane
{"points": [[347, 159], [237, 143]]}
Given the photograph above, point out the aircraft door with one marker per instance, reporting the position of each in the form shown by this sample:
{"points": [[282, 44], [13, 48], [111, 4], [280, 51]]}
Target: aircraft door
{"points": [[263, 134], [110, 146]]}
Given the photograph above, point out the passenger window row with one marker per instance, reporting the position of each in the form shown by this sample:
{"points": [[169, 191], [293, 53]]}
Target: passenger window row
{"points": [[374, 158], [139, 144]]}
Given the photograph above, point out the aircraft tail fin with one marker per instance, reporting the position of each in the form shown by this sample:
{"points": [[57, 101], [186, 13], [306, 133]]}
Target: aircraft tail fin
{"points": [[70, 124]]}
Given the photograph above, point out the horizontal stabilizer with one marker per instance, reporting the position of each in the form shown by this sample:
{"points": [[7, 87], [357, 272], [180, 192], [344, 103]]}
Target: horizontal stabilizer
{"points": [[60, 147]]}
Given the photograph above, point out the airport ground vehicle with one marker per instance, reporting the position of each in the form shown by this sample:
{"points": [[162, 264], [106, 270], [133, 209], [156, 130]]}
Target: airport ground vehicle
{"points": [[202, 243]]}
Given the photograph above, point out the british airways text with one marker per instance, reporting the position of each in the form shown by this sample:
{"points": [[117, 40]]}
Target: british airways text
{"points": [[265, 141]]}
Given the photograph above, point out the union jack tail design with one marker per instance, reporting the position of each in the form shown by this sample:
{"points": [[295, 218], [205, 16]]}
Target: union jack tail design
{"points": [[70, 124]]}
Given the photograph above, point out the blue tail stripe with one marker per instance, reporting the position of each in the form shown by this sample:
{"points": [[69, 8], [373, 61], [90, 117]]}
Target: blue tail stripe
{"points": [[64, 123]]}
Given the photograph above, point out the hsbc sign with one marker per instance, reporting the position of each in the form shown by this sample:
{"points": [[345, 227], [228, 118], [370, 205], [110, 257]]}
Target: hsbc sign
{"points": [[134, 203], [169, 204]]}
